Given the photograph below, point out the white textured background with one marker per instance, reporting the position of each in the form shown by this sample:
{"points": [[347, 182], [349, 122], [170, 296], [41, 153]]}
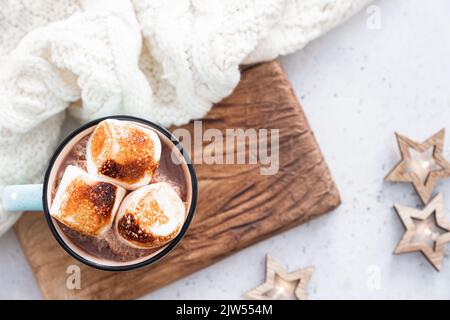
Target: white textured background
{"points": [[357, 86]]}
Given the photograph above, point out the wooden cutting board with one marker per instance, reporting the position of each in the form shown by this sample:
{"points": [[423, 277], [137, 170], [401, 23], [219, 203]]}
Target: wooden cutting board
{"points": [[237, 205]]}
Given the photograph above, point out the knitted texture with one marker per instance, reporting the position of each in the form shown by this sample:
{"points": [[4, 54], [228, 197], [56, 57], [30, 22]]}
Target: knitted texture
{"points": [[166, 61]]}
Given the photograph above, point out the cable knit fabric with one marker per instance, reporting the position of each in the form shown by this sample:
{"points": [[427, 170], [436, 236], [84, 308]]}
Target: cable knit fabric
{"points": [[167, 61]]}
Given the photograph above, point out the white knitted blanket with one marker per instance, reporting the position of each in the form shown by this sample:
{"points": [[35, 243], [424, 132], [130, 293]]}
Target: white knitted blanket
{"points": [[167, 61]]}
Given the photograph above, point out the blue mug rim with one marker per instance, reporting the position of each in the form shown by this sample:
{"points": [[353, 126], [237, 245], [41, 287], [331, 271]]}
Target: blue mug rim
{"points": [[171, 245]]}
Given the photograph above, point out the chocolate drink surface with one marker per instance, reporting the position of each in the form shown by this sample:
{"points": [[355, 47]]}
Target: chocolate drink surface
{"points": [[109, 247]]}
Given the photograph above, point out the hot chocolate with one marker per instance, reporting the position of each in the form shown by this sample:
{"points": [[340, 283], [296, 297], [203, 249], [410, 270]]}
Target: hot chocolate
{"points": [[124, 217]]}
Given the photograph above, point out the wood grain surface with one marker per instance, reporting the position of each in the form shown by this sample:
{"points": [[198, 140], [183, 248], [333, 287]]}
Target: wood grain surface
{"points": [[237, 205]]}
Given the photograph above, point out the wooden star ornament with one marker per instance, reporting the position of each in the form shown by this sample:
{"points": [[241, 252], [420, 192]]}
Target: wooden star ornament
{"points": [[280, 285], [427, 231], [422, 164]]}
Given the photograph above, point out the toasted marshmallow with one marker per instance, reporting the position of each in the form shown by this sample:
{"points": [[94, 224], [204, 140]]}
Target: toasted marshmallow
{"points": [[150, 216], [85, 204], [123, 153]]}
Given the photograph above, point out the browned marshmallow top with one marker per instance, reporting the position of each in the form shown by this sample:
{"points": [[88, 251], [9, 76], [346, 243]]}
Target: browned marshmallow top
{"points": [[87, 208], [150, 216], [126, 155], [134, 224]]}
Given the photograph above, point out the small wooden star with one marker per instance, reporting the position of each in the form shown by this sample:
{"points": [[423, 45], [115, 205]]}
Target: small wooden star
{"points": [[280, 285], [427, 231], [421, 164]]}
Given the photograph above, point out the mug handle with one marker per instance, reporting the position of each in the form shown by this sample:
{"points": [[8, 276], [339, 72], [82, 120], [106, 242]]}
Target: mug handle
{"points": [[26, 197]]}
